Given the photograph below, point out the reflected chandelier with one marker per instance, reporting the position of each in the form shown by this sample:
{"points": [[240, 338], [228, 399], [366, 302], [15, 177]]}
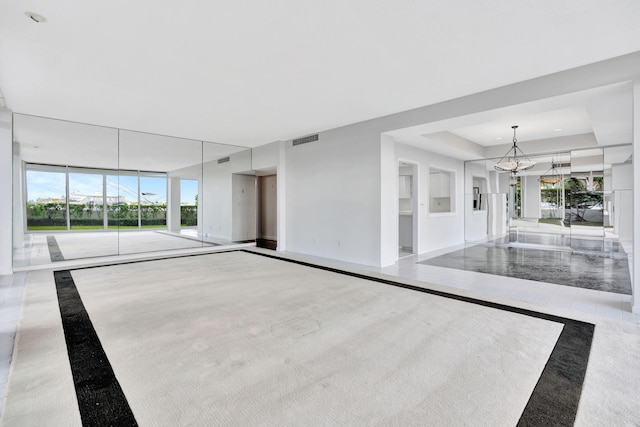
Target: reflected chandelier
{"points": [[552, 176], [515, 160]]}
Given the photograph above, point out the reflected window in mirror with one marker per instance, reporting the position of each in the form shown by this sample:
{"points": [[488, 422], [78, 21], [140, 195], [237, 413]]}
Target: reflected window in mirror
{"points": [[441, 191], [479, 188]]}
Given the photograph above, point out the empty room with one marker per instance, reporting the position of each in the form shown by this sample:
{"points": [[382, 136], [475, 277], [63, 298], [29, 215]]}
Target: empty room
{"points": [[334, 214]]}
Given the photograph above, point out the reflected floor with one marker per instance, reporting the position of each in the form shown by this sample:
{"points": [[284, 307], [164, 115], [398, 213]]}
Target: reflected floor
{"points": [[588, 271], [577, 243], [45, 248]]}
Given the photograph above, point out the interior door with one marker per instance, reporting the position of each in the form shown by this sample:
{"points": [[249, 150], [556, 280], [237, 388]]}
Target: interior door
{"points": [[267, 212]]}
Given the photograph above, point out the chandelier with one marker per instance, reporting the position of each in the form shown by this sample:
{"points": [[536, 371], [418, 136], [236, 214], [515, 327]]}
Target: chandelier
{"points": [[515, 160], [551, 176]]}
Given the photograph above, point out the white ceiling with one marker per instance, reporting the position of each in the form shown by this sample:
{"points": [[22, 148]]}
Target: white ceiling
{"points": [[568, 121], [596, 117], [252, 72]]}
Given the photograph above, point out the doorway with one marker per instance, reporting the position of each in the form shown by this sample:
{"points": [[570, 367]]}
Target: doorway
{"points": [[407, 197], [267, 212]]}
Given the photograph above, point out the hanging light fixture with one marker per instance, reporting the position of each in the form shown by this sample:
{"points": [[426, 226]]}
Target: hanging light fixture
{"points": [[551, 176], [515, 160]]}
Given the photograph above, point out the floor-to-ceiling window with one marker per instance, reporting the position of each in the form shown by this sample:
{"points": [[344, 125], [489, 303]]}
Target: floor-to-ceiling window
{"points": [[46, 196], [86, 200], [54, 193], [153, 200], [188, 202]]}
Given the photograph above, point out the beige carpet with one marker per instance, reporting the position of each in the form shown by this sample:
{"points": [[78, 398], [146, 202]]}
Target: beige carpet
{"points": [[86, 245], [238, 339]]}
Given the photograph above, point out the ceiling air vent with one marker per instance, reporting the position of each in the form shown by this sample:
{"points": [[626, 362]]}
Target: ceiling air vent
{"points": [[223, 160], [305, 139]]}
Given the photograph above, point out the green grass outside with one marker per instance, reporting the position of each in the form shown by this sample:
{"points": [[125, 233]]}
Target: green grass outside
{"points": [[90, 227]]}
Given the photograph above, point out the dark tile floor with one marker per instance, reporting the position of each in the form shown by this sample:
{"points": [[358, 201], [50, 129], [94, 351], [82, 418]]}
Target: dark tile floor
{"points": [[589, 271]]}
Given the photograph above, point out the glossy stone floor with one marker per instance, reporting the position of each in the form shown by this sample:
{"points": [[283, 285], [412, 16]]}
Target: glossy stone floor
{"points": [[580, 270]]}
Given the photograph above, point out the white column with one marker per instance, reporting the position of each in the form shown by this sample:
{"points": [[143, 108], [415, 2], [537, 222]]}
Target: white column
{"points": [[530, 188], [19, 205], [281, 194], [6, 181], [201, 230], [173, 205], [389, 218], [635, 279]]}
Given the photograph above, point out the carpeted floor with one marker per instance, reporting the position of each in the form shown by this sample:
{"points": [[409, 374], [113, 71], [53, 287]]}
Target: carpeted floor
{"points": [[241, 339]]}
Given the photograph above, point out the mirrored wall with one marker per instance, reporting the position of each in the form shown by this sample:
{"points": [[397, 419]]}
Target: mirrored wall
{"points": [[580, 200], [85, 191]]}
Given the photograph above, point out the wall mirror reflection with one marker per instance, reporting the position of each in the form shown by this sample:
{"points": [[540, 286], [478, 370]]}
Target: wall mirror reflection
{"points": [[86, 191], [584, 209], [486, 205], [578, 201]]}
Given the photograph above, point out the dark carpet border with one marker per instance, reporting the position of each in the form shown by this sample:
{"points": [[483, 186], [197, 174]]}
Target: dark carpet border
{"points": [[54, 250], [101, 400], [554, 400]]}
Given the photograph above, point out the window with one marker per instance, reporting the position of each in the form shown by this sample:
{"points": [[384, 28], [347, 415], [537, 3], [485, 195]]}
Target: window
{"points": [[188, 202], [86, 201], [479, 188], [46, 198], [441, 191], [153, 200], [122, 200], [71, 198]]}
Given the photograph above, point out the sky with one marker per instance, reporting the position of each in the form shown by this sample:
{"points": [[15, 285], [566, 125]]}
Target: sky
{"points": [[52, 185]]}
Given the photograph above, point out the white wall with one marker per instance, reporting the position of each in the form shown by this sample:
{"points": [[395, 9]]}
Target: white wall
{"points": [[215, 199], [173, 204], [389, 202], [271, 158], [19, 205], [333, 195], [266, 156], [621, 177], [635, 276], [530, 187], [6, 180], [282, 197], [496, 204], [435, 230], [405, 229], [621, 184], [243, 195], [476, 222]]}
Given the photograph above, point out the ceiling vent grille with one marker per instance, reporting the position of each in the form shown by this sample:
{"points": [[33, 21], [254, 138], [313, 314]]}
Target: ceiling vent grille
{"points": [[305, 139], [561, 165], [223, 160]]}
